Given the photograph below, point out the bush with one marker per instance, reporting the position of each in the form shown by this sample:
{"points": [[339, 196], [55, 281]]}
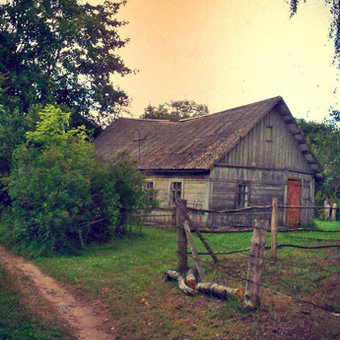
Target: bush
{"points": [[62, 195]]}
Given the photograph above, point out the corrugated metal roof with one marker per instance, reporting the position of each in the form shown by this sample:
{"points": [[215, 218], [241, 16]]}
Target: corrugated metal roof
{"points": [[195, 143]]}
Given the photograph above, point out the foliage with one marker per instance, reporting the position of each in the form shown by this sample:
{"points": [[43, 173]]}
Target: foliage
{"points": [[61, 52], [175, 110], [334, 28], [12, 133], [62, 195], [324, 139], [335, 116]]}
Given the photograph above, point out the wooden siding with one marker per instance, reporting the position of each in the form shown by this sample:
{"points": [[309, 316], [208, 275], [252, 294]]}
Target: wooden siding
{"points": [[264, 186], [256, 149], [195, 189]]}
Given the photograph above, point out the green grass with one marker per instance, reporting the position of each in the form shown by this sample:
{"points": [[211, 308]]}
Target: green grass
{"points": [[17, 321], [128, 275]]}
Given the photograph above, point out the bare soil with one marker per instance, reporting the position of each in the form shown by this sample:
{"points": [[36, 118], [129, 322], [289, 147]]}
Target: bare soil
{"points": [[83, 319]]}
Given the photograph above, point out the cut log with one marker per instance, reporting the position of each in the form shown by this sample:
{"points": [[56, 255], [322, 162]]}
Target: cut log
{"points": [[214, 289], [173, 275], [191, 278]]}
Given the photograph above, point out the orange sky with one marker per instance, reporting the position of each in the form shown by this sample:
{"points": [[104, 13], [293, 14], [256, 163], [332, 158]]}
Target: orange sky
{"points": [[226, 53]]}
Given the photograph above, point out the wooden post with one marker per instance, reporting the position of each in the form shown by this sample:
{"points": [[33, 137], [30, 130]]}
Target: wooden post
{"points": [[195, 255], [204, 242], [274, 228], [255, 265], [182, 247], [327, 210], [173, 216], [334, 208]]}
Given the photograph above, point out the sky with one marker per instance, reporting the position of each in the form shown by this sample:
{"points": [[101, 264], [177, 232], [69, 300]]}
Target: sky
{"points": [[228, 53]]}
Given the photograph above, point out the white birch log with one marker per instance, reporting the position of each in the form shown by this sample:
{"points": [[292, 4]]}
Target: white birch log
{"points": [[173, 275], [214, 289], [191, 277]]}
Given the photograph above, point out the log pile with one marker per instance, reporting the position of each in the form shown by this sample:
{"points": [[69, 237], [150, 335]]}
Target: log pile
{"points": [[189, 286], [191, 277], [173, 275]]}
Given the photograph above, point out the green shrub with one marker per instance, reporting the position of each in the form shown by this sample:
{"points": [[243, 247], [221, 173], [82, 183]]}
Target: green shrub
{"points": [[62, 195]]}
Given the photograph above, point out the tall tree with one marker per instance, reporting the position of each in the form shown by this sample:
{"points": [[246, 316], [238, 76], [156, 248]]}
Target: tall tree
{"points": [[61, 52], [334, 28], [175, 110], [324, 139]]}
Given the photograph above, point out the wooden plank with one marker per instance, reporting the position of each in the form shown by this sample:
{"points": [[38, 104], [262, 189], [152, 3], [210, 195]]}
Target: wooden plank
{"points": [[195, 255], [182, 247], [205, 243], [274, 228]]}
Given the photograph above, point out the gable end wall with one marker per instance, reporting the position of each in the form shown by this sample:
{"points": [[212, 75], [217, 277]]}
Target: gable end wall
{"points": [[257, 150], [266, 167]]}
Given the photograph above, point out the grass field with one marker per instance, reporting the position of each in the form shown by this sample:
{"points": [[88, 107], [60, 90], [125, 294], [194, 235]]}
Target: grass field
{"points": [[126, 279]]}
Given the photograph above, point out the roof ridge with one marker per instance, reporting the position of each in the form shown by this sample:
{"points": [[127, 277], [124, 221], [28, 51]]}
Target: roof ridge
{"points": [[278, 98], [149, 120]]}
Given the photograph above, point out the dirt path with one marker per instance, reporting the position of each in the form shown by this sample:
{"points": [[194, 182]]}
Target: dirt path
{"points": [[79, 316]]}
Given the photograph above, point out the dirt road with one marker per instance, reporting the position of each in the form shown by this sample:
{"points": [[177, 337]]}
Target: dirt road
{"points": [[80, 316]]}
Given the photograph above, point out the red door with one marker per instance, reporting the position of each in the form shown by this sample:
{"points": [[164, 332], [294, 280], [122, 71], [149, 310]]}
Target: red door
{"points": [[294, 192]]}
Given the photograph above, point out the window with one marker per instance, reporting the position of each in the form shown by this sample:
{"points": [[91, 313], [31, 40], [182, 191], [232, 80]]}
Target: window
{"points": [[176, 191], [243, 196], [269, 133], [150, 190]]}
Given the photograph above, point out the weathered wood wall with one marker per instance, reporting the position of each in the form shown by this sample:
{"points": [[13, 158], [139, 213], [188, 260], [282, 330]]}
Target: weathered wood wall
{"points": [[264, 185], [264, 159], [195, 189], [258, 149]]}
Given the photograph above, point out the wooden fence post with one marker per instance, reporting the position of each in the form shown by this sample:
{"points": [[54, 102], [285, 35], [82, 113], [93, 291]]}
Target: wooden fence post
{"points": [[173, 216], [182, 247], [255, 265], [327, 210], [334, 208], [274, 228], [195, 255], [205, 243]]}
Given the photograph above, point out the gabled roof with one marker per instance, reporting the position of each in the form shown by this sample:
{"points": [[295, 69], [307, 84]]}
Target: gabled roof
{"points": [[194, 143]]}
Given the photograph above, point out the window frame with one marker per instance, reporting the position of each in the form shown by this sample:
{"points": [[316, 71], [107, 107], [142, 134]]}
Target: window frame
{"points": [[150, 191], [171, 191], [269, 133], [243, 194]]}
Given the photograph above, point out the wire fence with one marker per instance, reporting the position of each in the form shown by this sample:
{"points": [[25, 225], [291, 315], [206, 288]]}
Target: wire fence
{"points": [[241, 220], [189, 219]]}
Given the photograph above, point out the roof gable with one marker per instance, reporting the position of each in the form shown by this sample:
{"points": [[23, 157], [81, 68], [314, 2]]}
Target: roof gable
{"points": [[195, 143]]}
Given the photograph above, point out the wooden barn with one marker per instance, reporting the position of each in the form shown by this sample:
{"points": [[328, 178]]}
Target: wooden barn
{"points": [[232, 159]]}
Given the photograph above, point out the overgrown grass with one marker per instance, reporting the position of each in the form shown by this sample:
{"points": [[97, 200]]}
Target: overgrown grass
{"points": [[16, 318], [128, 273]]}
